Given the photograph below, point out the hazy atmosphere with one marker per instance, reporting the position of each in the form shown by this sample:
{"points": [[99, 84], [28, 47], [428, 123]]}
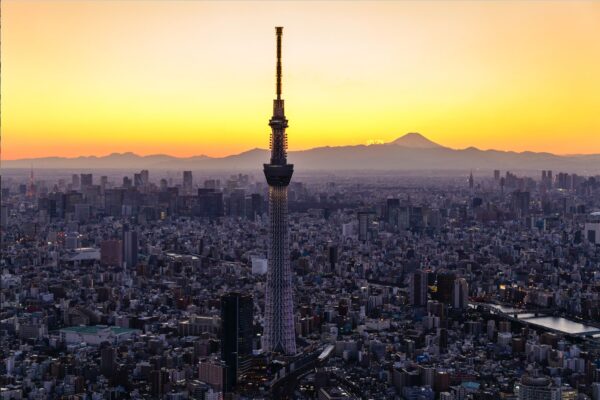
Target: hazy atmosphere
{"points": [[300, 200], [189, 78]]}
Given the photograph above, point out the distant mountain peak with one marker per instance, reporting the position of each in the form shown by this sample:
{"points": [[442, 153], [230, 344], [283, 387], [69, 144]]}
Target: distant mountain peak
{"points": [[125, 154], [416, 141]]}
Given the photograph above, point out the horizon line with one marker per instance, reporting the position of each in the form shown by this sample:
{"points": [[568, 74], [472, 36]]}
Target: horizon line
{"points": [[144, 155]]}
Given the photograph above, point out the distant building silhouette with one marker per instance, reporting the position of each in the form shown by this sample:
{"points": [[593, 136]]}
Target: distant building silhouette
{"points": [[188, 182], [130, 247], [418, 288]]}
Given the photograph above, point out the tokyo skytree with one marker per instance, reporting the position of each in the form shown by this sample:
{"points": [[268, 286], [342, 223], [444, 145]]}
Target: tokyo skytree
{"points": [[279, 332]]}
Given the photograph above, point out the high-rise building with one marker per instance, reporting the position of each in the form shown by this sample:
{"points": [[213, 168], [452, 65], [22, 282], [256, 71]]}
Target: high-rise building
{"points": [[460, 294], [210, 203], [520, 203], [145, 175], [236, 337], [111, 252], [213, 372], [31, 189], [103, 183], [187, 182], [159, 378], [256, 205], [163, 185], [471, 181], [279, 334], [86, 181], [108, 361], [75, 181], [445, 286], [236, 204], [391, 211], [364, 223], [332, 256], [592, 228], [596, 391], [418, 289], [130, 247], [137, 180], [4, 216]]}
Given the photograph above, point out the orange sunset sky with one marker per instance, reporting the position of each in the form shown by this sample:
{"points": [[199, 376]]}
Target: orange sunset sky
{"points": [[197, 77]]}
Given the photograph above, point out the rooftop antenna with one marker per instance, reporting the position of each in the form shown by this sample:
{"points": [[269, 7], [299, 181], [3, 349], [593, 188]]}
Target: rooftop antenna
{"points": [[278, 32]]}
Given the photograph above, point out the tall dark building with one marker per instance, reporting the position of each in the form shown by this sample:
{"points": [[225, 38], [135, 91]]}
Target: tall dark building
{"points": [[188, 182], [365, 219], [159, 379], [75, 181], [445, 287], [391, 211], [418, 289], [279, 333], [111, 252], [86, 181], [237, 203], [257, 204], [237, 314], [130, 247], [460, 294], [520, 203], [137, 180], [210, 203], [108, 361], [332, 256]]}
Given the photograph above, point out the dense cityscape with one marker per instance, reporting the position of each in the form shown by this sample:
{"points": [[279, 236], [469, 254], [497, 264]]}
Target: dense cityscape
{"points": [[144, 286], [290, 284]]}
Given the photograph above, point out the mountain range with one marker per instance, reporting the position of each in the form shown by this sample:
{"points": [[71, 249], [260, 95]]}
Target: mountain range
{"points": [[410, 152]]}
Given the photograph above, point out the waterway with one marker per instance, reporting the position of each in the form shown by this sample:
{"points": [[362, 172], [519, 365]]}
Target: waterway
{"points": [[556, 323]]}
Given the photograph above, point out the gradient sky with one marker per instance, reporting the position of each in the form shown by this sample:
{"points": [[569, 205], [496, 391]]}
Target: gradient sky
{"points": [[197, 77]]}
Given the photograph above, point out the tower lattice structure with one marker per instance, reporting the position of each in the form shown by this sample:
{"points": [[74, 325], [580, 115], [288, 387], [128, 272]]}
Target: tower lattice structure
{"points": [[279, 332]]}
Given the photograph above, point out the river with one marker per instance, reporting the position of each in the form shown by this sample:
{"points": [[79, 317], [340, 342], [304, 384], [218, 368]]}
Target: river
{"points": [[556, 323]]}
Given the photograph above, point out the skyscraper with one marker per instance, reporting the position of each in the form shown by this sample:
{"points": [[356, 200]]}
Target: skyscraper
{"points": [[130, 247], [445, 286], [520, 203], [471, 181], [111, 252], [86, 181], [460, 294], [279, 335], [364, 223], [236, 338], [107, 364], [187, 182], [418, 289]]}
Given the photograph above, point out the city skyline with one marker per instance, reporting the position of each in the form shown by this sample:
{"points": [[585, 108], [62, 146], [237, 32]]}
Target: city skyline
{"points": [[348, 265], [76, 85]]}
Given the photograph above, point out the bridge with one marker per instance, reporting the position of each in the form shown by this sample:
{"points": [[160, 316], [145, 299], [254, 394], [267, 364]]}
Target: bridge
{"points": [[283, 386], [513, 312], [513, 315], [587, 333]]}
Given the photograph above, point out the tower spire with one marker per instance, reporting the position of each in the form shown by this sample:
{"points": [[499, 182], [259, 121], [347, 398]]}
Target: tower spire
{"points": [[278, 32], [278, 121]]}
